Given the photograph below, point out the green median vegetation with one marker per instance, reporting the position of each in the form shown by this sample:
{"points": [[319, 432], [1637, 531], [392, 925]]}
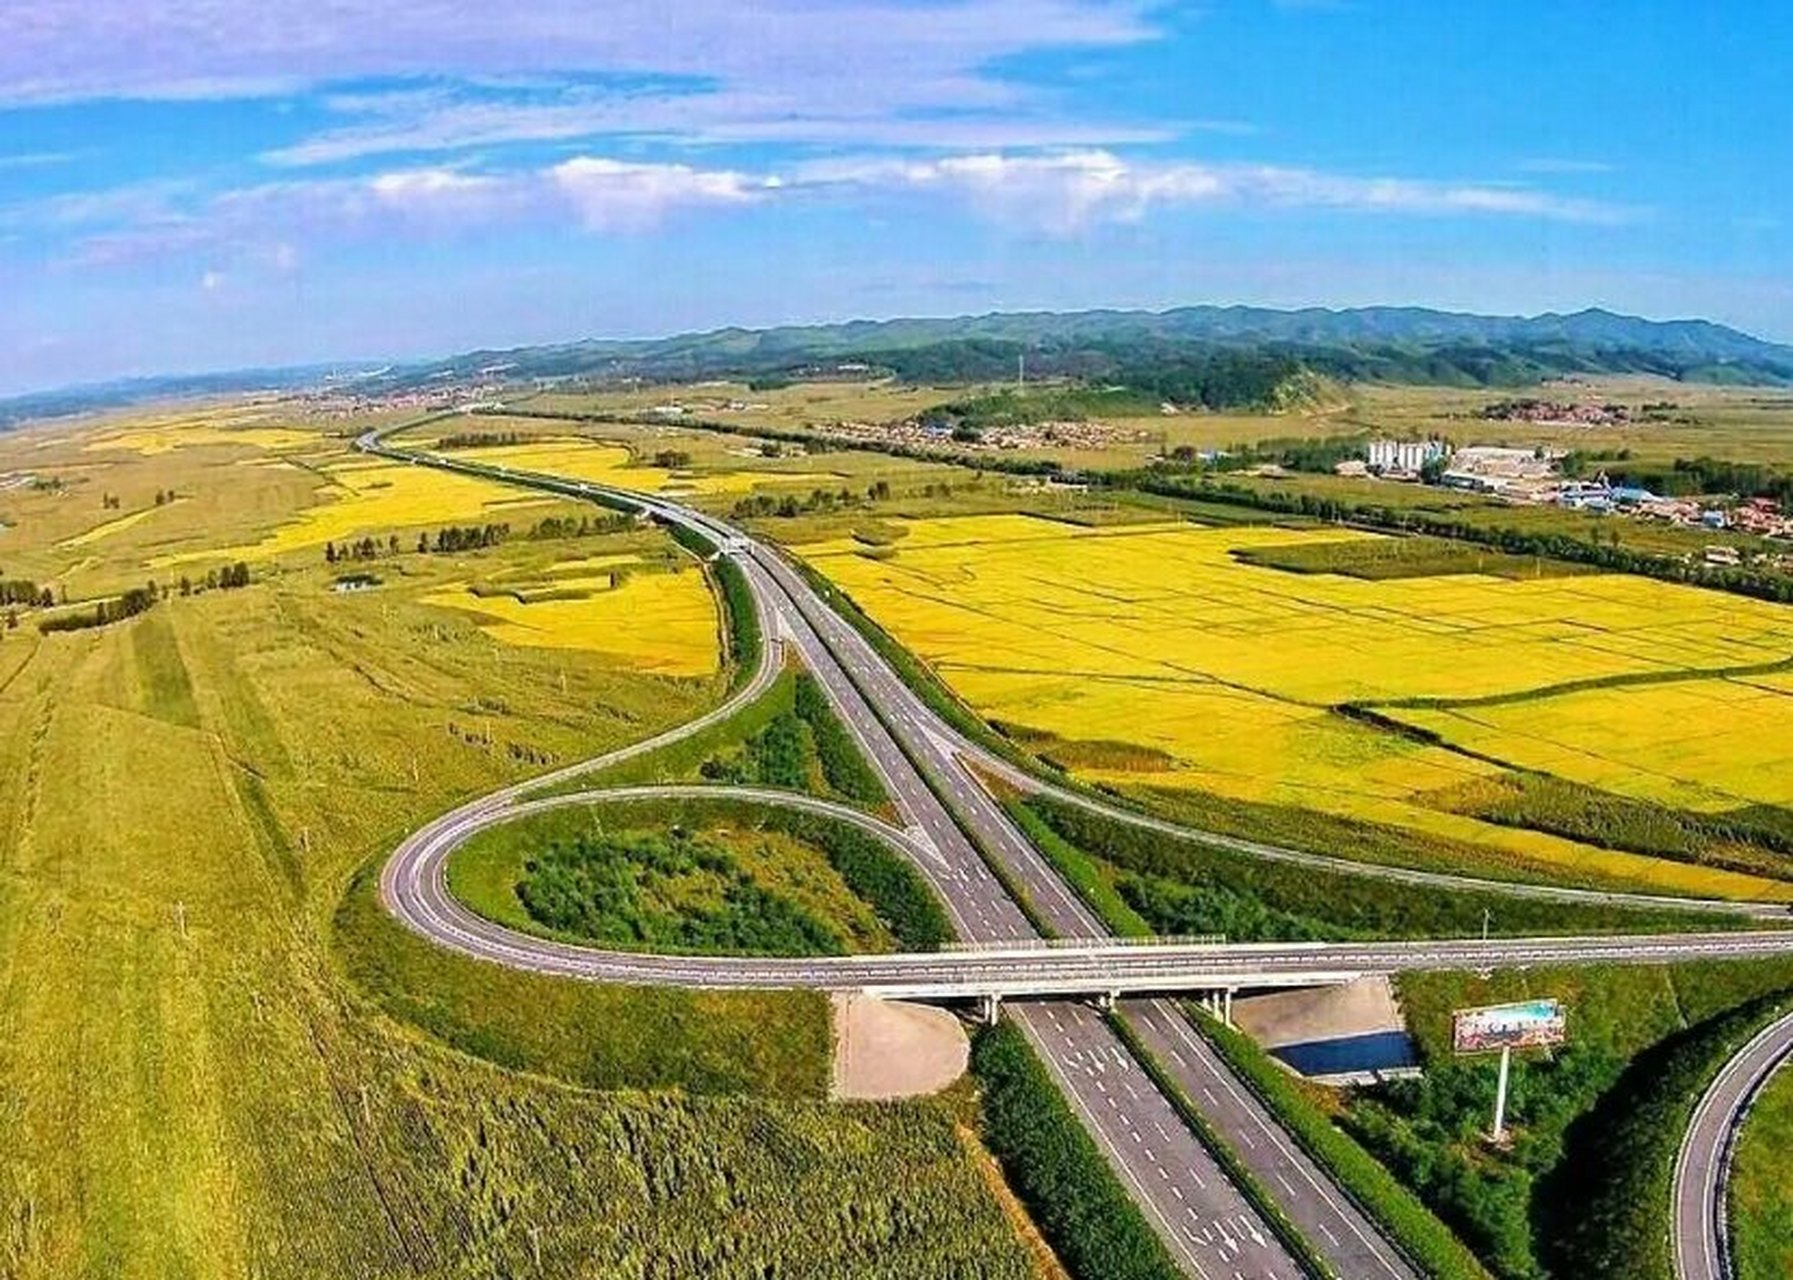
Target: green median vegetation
{"points": [[1069, 1188], [800, 746], [743, 620], [846, 770], [1307, 1112], [706, 876], [1178, 885]]}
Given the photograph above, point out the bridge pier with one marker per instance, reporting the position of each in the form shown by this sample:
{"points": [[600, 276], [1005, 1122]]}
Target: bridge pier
{"points": [[1105, 1001], [989, 1006], [1218, 1004]]}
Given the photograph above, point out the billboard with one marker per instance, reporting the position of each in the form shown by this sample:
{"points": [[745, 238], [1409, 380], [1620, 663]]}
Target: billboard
{"points": [[1526, 1025]]}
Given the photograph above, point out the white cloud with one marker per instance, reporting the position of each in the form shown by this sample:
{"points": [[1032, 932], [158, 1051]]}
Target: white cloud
{"points": [[265, 222], [413, 77], [611, 195], [1562, 165], [1061, 193], [56, 50], [1067, 192]]}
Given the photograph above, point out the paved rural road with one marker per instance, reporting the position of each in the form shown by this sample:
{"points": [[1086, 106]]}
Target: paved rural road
{"points": [[1702, 1170], [1206, 1221]]}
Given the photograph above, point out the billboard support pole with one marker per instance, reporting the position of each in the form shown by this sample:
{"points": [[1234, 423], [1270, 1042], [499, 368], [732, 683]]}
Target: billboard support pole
{"points": [[1500, 1095]]}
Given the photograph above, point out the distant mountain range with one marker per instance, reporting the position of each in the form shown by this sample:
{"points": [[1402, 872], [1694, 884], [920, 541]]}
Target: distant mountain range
{"points": [[1392, 344], [1401, 344]]}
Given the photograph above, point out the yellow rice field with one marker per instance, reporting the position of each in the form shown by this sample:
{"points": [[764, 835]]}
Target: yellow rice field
{"points": [[359, 499], [663, 622], [1169, 603], [164, 435], [1157, 637], [1696, 744], [610, 464]]}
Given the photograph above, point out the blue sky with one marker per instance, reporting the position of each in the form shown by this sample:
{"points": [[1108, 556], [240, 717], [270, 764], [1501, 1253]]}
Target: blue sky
{"points": [[204, 184]]}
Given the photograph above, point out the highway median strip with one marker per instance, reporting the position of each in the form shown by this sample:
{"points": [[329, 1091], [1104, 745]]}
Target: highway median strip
{"points": [[1256, 1194]]}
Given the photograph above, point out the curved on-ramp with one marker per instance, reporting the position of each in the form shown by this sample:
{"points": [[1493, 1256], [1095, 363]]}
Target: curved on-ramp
{"points": [[1703, 1167]]}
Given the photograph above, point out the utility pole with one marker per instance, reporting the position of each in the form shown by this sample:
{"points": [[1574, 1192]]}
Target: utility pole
{"points": [[1487, 917], [1021, 371]]}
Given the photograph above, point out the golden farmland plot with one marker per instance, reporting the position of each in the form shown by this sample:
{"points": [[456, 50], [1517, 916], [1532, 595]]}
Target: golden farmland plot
{"points": [[1698, 744], [611, 464], [247, 428], [1157, 636], [660, 622], [1170, 603], [361, 499]]}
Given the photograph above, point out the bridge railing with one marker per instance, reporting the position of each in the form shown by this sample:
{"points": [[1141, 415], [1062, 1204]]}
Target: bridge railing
{"points": [[1025, 945]]}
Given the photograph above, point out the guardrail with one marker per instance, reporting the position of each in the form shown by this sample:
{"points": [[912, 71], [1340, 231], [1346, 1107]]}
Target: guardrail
{"points": [[1104, 941]]}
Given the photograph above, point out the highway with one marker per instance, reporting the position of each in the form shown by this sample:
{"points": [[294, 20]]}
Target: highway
{"points": [[953, 829], [1209, 1226], [1701, 1223], [1205, 1221]]}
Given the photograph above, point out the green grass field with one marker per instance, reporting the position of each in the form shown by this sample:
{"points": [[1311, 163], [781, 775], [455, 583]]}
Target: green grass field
{"points": [[221, 1059], [1762, 1186]]}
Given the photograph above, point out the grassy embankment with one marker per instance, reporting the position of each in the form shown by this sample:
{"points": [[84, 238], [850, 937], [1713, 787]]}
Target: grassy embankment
{"points": [[1145, 881], [184, 800]]}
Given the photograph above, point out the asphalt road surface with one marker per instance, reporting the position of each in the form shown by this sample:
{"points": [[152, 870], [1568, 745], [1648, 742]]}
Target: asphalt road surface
{"points": [[1702, 1170], [924, 764]]}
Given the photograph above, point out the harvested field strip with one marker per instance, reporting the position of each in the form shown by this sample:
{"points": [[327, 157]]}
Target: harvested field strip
{"points": [[117, 525]]}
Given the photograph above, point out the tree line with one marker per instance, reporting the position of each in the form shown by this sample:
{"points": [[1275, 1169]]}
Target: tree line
{"points": [[135, 600], [473, 537]]}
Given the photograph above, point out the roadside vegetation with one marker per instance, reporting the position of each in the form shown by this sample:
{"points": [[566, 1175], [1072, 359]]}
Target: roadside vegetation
{"points": [[771, 1044], [1758, 839], [1582, 1187], [1146, 881], [1066, 1183], [1382, 559], [1310, 1113]]}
